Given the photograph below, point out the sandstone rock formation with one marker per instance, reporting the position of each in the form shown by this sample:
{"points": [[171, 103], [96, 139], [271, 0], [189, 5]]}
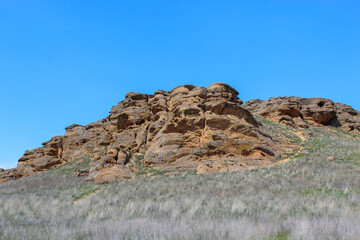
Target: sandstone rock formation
{"points": [[188, 128], [306, 112], [348, 118], [112, 174]]}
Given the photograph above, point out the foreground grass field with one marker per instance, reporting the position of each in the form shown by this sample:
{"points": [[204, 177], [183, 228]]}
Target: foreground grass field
{"points": [[308, 197]]}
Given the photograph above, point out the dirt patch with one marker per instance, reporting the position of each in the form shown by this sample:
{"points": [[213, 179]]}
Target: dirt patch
{"points": [[303, 138]]}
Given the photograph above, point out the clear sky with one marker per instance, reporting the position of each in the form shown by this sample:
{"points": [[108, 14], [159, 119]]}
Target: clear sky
{"points": [[65, 62]]}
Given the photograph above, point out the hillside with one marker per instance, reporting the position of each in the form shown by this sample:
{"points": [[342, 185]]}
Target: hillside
{"points": [[313, 193], [193, 163], [186, 129]]}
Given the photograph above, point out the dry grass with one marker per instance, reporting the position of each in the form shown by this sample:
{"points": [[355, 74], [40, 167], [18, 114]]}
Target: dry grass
{"points": [[308, 197]]}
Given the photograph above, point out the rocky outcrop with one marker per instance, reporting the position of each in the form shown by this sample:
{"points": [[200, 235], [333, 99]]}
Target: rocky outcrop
{"points": [[187, 128], [348, 118], [196, 123], [176, 129], [306, 112]]}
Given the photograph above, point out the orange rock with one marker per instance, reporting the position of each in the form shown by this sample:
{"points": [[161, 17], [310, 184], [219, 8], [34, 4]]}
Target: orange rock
{"points": [[188, 128], [113, 174], [306, 112]]}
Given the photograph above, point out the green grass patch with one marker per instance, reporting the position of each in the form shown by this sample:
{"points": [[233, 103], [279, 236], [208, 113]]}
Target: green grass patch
{"points": [[280, 130], [138, 162], [85, 190], [71, 167]]}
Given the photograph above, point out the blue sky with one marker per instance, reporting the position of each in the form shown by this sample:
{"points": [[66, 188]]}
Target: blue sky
{"points": [[65, 62]]}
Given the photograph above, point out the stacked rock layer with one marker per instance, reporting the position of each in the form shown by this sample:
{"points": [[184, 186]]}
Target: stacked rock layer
{"points": [[307, 112]]}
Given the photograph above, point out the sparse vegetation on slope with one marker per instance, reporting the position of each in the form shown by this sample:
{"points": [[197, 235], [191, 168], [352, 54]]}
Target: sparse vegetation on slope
{"points": [[71, 167], [309, 197]]}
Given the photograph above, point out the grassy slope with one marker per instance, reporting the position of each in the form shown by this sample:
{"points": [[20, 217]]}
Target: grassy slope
{"points": [[309, 197]]}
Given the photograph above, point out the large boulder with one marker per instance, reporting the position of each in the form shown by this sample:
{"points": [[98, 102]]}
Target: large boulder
{"points": [[112, 174], [317, 110]]}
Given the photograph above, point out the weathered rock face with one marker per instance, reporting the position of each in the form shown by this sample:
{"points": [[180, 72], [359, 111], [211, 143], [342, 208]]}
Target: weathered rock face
{"points": [[348, 118], [170, 130], [188, 128], [198, 123], [306, 112]]}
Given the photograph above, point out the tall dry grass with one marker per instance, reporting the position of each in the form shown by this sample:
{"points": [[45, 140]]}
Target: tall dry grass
{"points": [[309, 197]]}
